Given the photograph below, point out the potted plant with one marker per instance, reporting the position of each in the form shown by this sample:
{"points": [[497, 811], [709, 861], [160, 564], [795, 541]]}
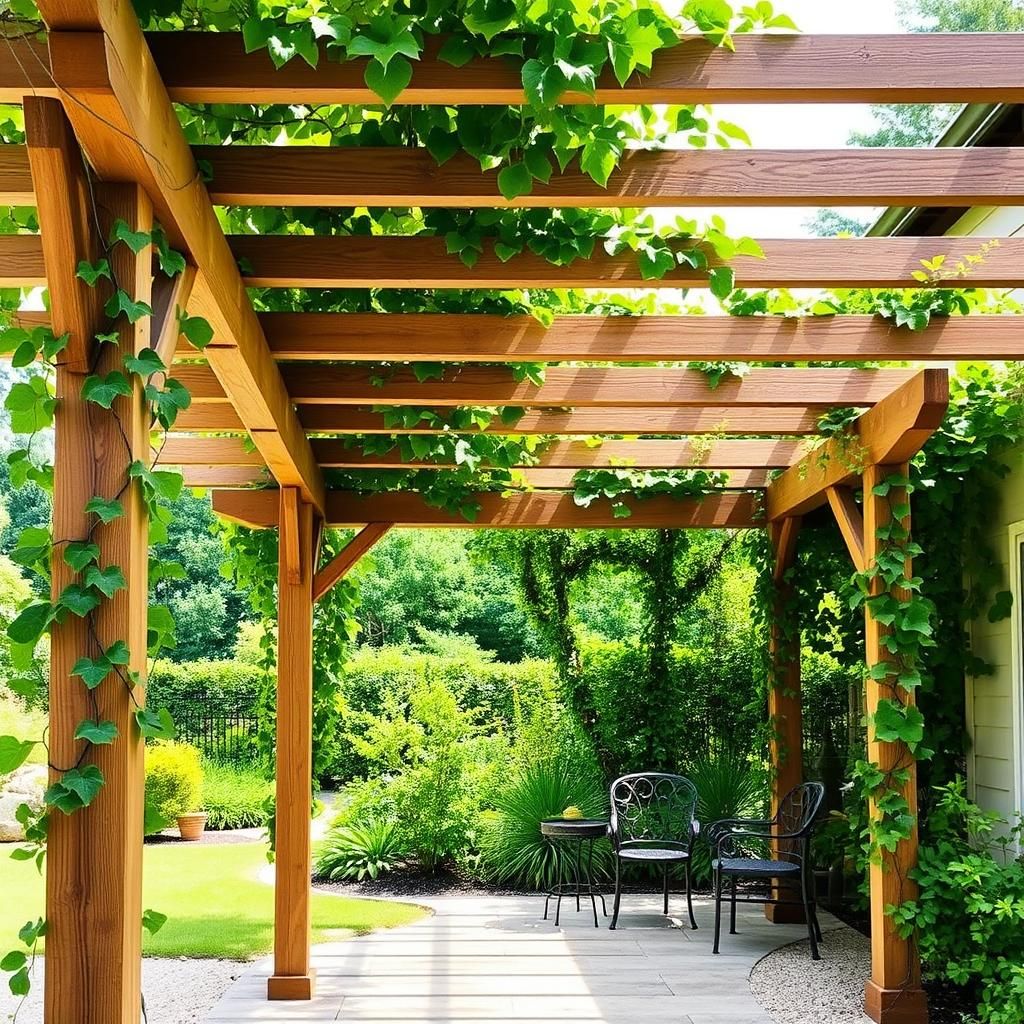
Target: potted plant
{"points": [[174, 787]]}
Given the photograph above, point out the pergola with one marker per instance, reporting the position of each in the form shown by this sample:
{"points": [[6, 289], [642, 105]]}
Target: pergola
{"points": [[98, 98]]}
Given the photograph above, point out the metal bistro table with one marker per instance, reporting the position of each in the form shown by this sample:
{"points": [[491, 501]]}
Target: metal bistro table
{"points": [[578, 831]]}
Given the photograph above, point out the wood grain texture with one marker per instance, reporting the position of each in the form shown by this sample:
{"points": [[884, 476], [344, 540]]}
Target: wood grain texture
{"points": [[17, 187], [280, 261], [126, 123], [170, 300], [344, 561], [521, 512], [337, 454], [293, 853], [22, 263], [716, 419], [851, 523], [94, 860], [403, 176], [893, 993], [616, 387], [472, 337], [894, 430], [67, 228], [205, 68]]}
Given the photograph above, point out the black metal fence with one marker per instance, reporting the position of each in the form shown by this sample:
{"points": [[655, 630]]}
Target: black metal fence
{"points": [[223, 728]]}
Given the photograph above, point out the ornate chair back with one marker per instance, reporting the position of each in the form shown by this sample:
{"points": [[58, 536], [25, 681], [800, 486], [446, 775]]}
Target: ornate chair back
{"points": [[653, 809]]}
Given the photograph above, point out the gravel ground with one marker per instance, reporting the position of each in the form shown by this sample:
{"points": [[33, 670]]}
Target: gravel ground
{"points": [[176, 991], [795, 990]]}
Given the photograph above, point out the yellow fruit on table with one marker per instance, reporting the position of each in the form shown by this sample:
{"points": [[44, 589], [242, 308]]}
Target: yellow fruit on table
{"points": [[572, 813]]}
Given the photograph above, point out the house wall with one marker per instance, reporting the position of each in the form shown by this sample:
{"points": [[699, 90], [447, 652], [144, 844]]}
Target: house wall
{"points": [[995, 718]]}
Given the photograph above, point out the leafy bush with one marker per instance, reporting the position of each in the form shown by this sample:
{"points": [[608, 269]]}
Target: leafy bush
{"points": [[728, 786], [512, 849], [234, 797], [174, 779], [359, 850], [428, 761], [969, 914]]}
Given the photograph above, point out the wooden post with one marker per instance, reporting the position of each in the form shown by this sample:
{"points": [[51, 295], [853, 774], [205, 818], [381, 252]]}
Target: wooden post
{"points": [[784, 711], [293, 977], [94, 863], [893, 994]]}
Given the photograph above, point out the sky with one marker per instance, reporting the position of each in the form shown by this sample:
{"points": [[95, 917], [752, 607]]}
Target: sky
{"points": [[811, 126]]}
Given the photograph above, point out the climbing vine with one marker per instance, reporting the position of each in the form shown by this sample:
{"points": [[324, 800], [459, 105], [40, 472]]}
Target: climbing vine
{"points": [[32, 405]]}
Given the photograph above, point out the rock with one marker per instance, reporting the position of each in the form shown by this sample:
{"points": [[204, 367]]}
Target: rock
{"points": [[24, 786]]}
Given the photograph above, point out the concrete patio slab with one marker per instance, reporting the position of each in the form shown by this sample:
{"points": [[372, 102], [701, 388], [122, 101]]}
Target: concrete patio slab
{"points": [[493, 960]]}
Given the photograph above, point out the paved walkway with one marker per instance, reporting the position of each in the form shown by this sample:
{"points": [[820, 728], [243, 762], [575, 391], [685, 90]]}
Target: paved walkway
{"points": [[492, 959]]}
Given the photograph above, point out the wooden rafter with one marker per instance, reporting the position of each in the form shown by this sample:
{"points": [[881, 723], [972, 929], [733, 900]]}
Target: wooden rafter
{"points": [[310, 261], [469, 337], [527, 511], [220, 452], [124, 120], [717, 419], [892, 432], [402, 176], [783, 533], [622, 387], [170, 299], [343, 562], [288, 261]]}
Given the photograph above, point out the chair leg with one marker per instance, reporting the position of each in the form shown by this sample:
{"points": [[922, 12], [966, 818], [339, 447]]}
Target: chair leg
{"points": [[809, 915], [618, 893], [689, 897], [732, 908], [664, 883], [718, 907]]}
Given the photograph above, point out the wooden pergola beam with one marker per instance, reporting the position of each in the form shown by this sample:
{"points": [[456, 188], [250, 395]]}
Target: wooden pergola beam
{"points": [[851, 523], [343, 562], [124, 120], [622, 387], [259, 509], [481, 337], [716, 419], [892, 432], [310, 261], [235, 452], [402, 176]]}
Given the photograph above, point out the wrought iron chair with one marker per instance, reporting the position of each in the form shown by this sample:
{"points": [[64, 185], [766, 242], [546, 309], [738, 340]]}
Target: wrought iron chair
{"points": [[653, 821], [740, 850]]}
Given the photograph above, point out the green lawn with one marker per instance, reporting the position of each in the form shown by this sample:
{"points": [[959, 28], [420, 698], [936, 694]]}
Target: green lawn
{"points": [[215, 903]]}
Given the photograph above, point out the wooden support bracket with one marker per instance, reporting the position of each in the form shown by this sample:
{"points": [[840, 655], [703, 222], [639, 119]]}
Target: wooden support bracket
{"points": [[291, 556], [851, 523], [345, 559], [783, 537], [170, 296]]}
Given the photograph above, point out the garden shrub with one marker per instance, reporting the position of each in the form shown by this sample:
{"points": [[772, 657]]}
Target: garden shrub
{"points": [[235, 796], [512, 849], [428, 761], [174, 779], [969, 914], [359, 850]]}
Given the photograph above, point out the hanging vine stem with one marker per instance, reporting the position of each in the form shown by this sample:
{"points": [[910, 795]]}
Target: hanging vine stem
{"points": [[32, 405]]}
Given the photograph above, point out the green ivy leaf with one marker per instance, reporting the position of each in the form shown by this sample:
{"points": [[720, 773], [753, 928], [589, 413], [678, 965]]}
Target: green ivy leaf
{"points": [[515, 180], [196, 329], [384, 39], [90, 273], [13, 754], [77, 788], [107, 581], [106, 510], [121, 302], [19, 983], [31, 406], [79, 553], [145, 364], [78, 600], [722, 281], [135, 240], [30, 623], [157, 725], [153, 921], [104, 391], [457, 51], [390, 80], [98, 733]]}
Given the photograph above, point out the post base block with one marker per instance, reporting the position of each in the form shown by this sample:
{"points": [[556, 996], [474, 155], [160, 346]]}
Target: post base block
{"points": [[292, 986], [895, 1005], [784, 913]]}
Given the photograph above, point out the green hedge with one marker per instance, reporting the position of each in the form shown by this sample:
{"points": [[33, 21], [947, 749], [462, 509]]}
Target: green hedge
{"points": [[171, 684]]}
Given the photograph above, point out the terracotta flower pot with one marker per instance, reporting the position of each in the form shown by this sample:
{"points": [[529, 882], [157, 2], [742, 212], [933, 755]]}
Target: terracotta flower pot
{"points": [[192, 826]]}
